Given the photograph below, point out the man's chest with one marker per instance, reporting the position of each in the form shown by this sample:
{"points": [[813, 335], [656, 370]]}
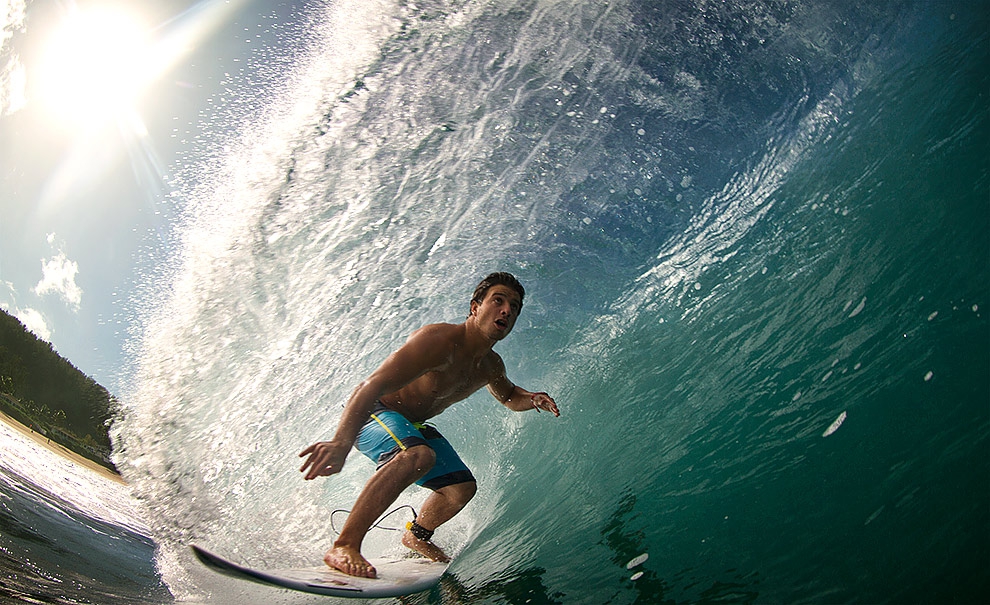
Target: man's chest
{"points": [[456, 381]]}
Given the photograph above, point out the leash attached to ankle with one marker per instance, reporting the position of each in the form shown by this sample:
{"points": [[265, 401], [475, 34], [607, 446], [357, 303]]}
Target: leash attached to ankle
{"points": [[419, 531]]}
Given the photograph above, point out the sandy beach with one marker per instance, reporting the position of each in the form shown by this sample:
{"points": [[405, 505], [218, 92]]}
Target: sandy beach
{"points": [[60, 450]]}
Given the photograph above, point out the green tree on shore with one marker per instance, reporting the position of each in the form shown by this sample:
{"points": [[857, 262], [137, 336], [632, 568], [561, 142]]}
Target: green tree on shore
{"points": [[50, 391]]}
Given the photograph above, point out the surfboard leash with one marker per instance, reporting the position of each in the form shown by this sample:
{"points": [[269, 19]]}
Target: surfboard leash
{"points": [[378, 524]]}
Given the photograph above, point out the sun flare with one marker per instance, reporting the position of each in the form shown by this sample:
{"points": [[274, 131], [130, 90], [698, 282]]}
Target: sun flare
{"points": [[95, 66]]}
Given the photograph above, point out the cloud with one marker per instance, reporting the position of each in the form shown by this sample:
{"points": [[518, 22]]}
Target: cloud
{"points": [[59, 278], [33, 320]]}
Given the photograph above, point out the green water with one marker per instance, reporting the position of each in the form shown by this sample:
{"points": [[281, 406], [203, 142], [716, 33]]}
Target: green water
{"points": [[863, 292]]}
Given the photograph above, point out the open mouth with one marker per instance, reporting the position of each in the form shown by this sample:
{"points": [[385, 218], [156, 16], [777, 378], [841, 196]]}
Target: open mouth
{"points": [[501, 323]]}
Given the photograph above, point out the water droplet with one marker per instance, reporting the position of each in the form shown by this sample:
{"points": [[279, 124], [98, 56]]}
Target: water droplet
{"points": [[835, 425], [637, 560], [859, 308]]}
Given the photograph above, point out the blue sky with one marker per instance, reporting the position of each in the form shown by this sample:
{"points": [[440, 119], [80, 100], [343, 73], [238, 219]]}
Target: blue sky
{"points": [[100, 104]]}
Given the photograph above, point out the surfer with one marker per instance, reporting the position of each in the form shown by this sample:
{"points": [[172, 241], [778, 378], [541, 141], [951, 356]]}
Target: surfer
{"points": [[439, 365]]}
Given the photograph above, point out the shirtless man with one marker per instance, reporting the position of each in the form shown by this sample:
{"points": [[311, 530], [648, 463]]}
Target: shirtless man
{"points": [[439, 365]]}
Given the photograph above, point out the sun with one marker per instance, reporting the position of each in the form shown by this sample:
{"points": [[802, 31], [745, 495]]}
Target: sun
{"points": [[95, 66]]}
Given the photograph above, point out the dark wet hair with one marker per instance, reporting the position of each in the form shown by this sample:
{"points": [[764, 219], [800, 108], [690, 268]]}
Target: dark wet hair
{"points": [[498, 279]]}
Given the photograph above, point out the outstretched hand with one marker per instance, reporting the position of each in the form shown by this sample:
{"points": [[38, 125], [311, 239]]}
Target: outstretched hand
{"points": [[325, 458], [542, 401]]}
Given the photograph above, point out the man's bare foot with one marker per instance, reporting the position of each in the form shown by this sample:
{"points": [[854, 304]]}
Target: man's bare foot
{"points": [[349, 561], [427, 549]]}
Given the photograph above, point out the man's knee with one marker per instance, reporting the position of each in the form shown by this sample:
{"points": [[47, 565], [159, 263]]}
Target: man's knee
{"points": [[419, 457]]}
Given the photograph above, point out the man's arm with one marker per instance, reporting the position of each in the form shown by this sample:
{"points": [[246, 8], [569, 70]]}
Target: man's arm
{"points": [[515, 397], [426, 349]]}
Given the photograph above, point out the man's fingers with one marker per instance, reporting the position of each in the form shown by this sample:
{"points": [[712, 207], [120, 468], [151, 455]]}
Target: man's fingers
{"points": [[324, 459], [322, 470], [314, 469], [551, 405], [314, 460], [542, 401]]}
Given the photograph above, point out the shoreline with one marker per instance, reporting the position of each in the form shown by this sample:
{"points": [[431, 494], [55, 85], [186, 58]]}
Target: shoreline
{"points": [[61, 450]]}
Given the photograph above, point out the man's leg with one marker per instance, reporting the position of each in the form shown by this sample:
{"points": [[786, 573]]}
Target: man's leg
{"points": [[378, 494], [439, 508]]}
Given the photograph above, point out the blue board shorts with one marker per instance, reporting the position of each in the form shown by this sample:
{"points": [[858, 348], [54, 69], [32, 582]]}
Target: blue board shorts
{"points": [[388, 432]]}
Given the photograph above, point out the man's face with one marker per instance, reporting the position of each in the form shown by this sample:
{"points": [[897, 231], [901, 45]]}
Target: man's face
{"points": [[498, 311]]}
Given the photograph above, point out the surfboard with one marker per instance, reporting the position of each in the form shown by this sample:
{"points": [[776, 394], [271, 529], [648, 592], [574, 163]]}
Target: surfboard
{"points": [[396, 576]]}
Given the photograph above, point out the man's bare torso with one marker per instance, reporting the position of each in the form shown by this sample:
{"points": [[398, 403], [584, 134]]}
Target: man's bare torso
{"points": [[455, 379]]}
